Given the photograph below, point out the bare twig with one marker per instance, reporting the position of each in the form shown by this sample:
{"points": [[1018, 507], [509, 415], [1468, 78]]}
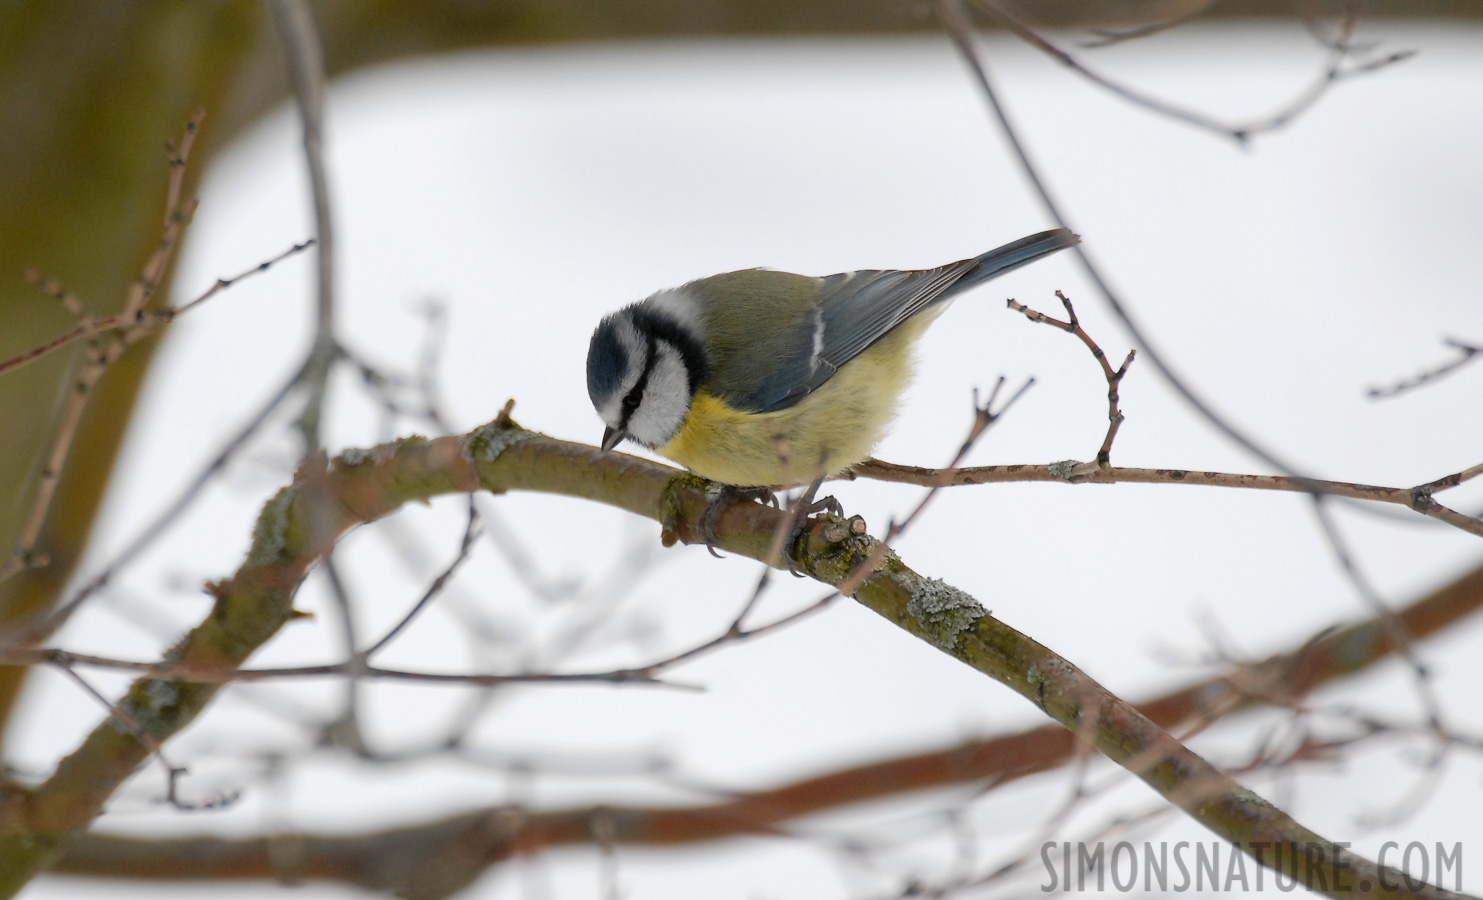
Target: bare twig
{"points": [[1467, 353], [1106, 37], [466, 545], [294, 24], [198, 674], [344, 730], [138, 323], [173, 773], [1450, 481], [1114, 376], [1073, 472], [161, 522], [100, 354], [1334, 71]]}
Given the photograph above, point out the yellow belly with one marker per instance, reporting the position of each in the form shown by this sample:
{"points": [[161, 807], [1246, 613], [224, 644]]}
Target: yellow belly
{"points": [[827, 431]]}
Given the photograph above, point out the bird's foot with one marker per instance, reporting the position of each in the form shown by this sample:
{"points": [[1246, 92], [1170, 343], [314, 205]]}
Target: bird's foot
{"points": [[806, 507], [727, 495]]}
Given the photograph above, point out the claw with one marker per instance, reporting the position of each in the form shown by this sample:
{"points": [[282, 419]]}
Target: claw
{"points": [[727, 495], [807, 506]]}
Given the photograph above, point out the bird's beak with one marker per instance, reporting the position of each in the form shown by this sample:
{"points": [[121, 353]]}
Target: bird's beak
{"points": [[612, 437]]}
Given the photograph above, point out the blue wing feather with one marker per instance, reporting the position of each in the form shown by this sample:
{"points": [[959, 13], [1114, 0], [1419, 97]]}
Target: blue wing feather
{"points": [[853, 310]]}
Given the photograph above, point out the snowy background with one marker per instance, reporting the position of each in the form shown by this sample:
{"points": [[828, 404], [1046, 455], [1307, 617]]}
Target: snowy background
{"points": [[531, 190]]}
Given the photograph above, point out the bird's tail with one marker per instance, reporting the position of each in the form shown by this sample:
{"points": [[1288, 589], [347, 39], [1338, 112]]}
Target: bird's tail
{"points": [[1015, 254]]}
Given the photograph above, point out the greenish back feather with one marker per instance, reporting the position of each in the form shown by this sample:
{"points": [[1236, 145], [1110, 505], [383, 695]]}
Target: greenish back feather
{"points": [[758, 333]]}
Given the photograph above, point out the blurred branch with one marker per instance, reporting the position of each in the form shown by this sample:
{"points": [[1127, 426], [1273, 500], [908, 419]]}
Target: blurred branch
{"points": [[301, 523], [1340, 49], [294, 24], [102, 352], [1466, 354], [45, 625], [405, 859], [136, 324]]}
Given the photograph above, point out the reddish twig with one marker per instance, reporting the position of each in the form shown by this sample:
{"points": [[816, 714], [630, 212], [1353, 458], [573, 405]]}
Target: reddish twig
{"points": [[1114, 376]]}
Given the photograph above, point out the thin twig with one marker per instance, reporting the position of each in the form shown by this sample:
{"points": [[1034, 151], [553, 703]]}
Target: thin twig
{"points": [[162, 522], [173, 773], [983, 417], [344, 730], [140, 323], [1450, 481], [1468, 353], [100, 354], [470, 534], [14, 655], [1106, 37], [1332, 73], [1073, 472], [294, 24], [1114, 376]]}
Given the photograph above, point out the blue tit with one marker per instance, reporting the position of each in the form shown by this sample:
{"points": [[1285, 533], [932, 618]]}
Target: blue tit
{"points": [[760, 378]]}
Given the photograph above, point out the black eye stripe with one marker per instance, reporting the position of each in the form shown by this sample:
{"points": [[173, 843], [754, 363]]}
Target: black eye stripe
{"points": [[654, 324], [635, 394], [655, 327]]}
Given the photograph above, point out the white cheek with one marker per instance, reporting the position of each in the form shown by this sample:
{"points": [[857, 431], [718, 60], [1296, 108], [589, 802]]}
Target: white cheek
{"points": [[665, 403]]}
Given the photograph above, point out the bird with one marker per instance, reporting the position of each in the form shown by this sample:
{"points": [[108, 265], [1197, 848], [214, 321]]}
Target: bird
{"points": [[760, 379]]}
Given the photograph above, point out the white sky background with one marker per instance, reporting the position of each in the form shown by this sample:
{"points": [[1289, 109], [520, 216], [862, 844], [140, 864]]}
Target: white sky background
{"points": [[533, 190]]}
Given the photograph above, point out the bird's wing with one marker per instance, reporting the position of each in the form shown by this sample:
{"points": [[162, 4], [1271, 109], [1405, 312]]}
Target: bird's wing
{"points": [[856, 309], [852, 311]]}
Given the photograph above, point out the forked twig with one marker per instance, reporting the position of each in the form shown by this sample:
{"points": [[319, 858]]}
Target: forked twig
{"points": [[135, 325], [1114, 376], [100, 354], [1334, 71], [173, 773]]}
